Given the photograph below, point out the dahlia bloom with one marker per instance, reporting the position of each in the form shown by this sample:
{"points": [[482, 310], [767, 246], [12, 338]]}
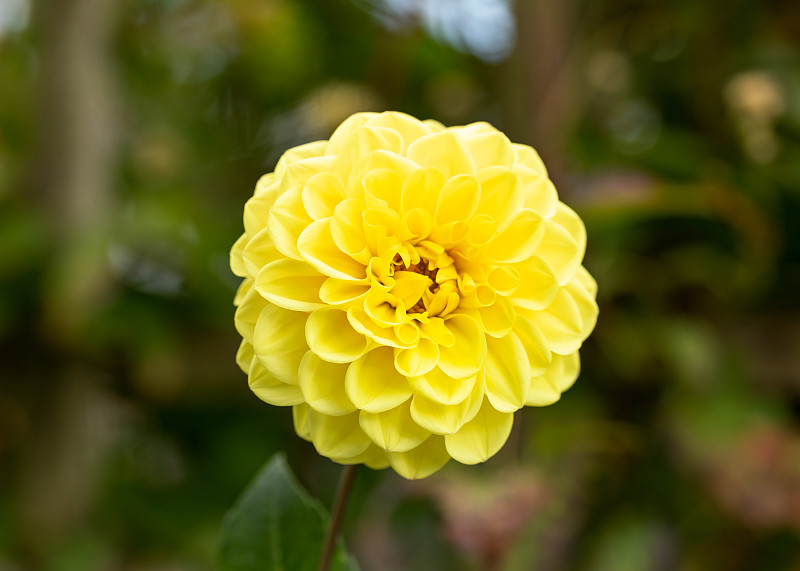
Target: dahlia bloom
{"points": [[407, 287]]}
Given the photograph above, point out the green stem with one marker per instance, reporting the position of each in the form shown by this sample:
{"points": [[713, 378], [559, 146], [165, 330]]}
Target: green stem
{"points": [[337, 514]]}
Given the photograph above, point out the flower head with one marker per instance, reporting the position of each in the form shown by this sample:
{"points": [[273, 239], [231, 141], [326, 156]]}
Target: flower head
{"points": [[407, 287]]}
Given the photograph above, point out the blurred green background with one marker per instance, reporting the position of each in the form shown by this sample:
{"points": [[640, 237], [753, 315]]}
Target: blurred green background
{"points": [[132, 132]]}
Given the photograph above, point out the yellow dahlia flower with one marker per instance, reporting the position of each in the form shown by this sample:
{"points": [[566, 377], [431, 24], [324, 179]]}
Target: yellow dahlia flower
{"points": [[407, 287]]}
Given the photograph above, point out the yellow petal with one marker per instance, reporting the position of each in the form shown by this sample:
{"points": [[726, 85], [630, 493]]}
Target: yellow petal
{"points": [[393, 430], [416, 224], [287, 220], [330, 335], [382, 188], [365, 325], [447, 418], [445, 150], [373, 457], [384, 308], [504, 279], [482, 437], [538, 284], [438, 332], [568, 320], [347, 229], [317, 247], [322, 384], [271, 390], [564, 243], [422, 461], [561, 375], [257, 207], [539, 191], [381, 225], [519, 240], [259, 252], [418, 360], [482, 229], [421, 189], [490, 148], [321, 194], [300, 419], [501, 195], [535, 344], [438, 387], [361, 142], [587, 281], [244, 356], [407, 126], [299, 173], [380, 159], [458, 199], [236, 260], [529, 158], [409, 286], [299, 153], [583, 289], [279, 341], [250, 307], [336, 436], [343, 132], [342, 292], [498, 319], [291, 284], [468, 354], [373, 384], [508, 373]]}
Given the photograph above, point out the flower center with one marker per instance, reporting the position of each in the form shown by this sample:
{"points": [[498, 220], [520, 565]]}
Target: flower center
{"points": [[425, 279]]}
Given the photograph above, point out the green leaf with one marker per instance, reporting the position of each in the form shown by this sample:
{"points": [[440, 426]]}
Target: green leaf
{"points": [[276, 525]]}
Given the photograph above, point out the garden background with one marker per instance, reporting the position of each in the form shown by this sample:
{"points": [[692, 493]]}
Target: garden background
{"points": [[132, 132]]}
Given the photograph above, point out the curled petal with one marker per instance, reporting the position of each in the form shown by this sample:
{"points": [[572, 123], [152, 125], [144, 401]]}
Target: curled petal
{"points": [[482, 229], [538, 285], [504, 279], [336, 436], [447, 418], [564, 243], [317, 247], [258, 252], [344, 132], [568, 320], [437, 331], [299, 153], [384, 308], [535, 343], [508, 373], [519, 240], [393, 430], [334, 291], [373, 457], [421, 189], [482, 437], [547, 388], [409, 128], [361, 142], [418, 360], [322, 385], [290, 284], [236, 259], [365, 325], [526, 156], [287, 220], [300, 420], [245, 356], [330, 335], [382, 188], [373, 384], [297, 174], [490, 148], [347, 229], [498, 319], [422, 461], [321, 194], [380, 159], [270, 389], [539, 191], [445, 150], [250, 307], [436, 386], [501, 195], [458, 199], [468, 353], [256, 210], [279, 341]]}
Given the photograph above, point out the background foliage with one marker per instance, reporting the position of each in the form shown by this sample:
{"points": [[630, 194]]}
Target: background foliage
{"points": [[131, 133]]}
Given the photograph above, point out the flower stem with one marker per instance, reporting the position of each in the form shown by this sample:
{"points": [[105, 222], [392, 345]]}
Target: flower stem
{"points": [[337, 514]]}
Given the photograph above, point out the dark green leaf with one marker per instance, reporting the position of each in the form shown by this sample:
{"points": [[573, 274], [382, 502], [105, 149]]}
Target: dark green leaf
{"points": [[275, 525]]}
